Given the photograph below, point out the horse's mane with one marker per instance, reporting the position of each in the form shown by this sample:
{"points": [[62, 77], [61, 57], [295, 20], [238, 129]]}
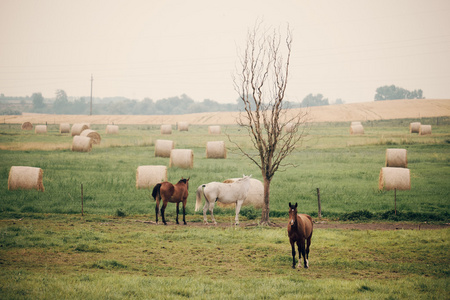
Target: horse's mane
{"points": [[183, 180]]}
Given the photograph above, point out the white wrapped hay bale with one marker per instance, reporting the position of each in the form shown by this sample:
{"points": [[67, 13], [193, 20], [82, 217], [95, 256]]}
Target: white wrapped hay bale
{"points": [[163, 148], [78, 128], [166, 129], [215, 129], [112, 129], [183, 126], [394, 178], [27, 126], [25, 178], [414, 127], [94, 135], [216, 149], [64, 128], [182, 158], [425, 129], [356, 129], [396, 158], [40, 129], [255, 196], [81, 143], [149, 176]]}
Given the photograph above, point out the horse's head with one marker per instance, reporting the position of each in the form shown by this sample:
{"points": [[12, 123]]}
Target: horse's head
{"points": [[292, 213]]}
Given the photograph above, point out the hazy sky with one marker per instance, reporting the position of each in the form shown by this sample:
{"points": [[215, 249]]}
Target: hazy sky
{"points": [[158, 49]]}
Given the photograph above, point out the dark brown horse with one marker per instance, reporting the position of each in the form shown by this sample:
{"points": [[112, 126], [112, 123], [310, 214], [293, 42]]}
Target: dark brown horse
{"points": [[300, 228], [168, 192]]}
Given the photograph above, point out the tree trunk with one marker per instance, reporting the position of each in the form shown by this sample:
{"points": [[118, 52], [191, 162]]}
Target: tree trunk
{"points": [[266, 209]]}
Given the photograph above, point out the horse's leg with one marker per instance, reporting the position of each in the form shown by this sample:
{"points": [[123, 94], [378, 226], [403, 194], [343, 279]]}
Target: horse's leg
{"points": [[178, 203], [293, 253], [308, 243], [163, 208], [211, 208], [157, 209], [238, 209], [184, 211], [205, 209], [301, 250]]}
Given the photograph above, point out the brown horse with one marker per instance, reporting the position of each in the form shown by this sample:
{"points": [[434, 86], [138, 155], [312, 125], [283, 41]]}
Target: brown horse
{"points": [[300, 227], [168, 192]]}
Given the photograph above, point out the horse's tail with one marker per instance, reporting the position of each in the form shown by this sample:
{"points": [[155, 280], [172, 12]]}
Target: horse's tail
{"points": [[198, 202], [156, 189]]}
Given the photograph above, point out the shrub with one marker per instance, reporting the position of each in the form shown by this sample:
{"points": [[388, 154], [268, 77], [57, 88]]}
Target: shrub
{"points": [[120, 213], [249, 212], [357, 215]]}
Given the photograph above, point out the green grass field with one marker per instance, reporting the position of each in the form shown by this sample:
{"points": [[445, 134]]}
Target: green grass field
{"points": [[345, 168], [48, 251], [69, 257]]}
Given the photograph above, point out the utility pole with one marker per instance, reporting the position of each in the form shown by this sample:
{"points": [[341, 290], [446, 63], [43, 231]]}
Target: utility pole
{"points": [[92, 80]]}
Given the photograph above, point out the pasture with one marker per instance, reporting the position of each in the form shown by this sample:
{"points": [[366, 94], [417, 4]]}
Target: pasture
{"points": [[48, 250]]}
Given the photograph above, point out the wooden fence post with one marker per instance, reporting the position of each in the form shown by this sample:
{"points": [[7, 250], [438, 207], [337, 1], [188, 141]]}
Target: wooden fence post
{"points": [[395, 201], [318, 202], [82, 204]]}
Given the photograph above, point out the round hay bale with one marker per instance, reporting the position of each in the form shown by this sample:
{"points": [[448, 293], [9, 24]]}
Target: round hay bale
{"points": [[182, 158], [78, 128], [356, 129], [290, 127], [355, 123], [163, 148], [255, 196], [166, 129], [396, 158], [27, 126], [425, 129], [149, 176], [215, 129], [64, 128], [112, 129], [81, 143], [26, 178], [183, 126], [40, 129], [414, 127], [216, 149], [394, 178], [95, 137]]}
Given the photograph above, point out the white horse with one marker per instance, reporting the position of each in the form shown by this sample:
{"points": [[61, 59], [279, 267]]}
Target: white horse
{"points": [[234, 192]]}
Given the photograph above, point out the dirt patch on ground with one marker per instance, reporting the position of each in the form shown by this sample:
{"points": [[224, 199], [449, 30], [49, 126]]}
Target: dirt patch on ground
{"points": [[324, 225], [381, 226]]}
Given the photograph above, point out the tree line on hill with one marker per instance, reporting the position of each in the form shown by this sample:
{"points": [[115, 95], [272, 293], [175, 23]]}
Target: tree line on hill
{"points": [[168, 106]]}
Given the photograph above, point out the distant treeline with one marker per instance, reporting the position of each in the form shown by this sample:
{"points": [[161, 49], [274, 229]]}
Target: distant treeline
{"points": [[108, 106], [62, 104]]}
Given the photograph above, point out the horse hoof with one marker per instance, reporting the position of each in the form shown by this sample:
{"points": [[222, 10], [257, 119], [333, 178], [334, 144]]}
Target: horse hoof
{"points": [[185, 223]]}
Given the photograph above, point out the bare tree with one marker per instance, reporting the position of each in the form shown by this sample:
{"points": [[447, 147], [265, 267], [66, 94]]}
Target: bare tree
{"points": [[261, 80]]}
